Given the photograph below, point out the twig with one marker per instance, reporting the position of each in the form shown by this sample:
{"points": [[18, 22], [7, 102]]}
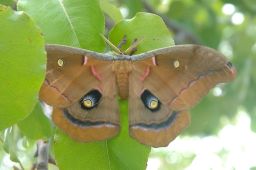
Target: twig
{"points": [[43, 157]]}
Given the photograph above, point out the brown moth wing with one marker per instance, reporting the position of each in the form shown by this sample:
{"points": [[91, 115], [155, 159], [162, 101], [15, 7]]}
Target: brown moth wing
{"points": [[179, 77], [153, 128], [97, 124], [71, 74], [79, 74]]}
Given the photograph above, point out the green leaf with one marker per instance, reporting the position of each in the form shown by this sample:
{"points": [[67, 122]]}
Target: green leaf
{"points": [[133, 6], [121, 152], [147, 28], [71, 22], [127, 152], [71, 154], [112, 11], [22, 62], [42, 127]]}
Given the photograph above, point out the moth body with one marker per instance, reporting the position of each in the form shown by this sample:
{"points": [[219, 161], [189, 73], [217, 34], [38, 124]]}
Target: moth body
{"points": [[121, 70]]}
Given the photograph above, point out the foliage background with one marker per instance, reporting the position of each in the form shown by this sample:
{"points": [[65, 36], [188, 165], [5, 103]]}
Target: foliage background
{"points": [[226, 25]]}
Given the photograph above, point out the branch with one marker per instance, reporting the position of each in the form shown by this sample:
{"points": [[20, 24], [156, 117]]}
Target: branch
{"points": [[42, 154]]}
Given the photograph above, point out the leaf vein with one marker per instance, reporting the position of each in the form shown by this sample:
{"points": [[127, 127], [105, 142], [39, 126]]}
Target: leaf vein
{"points": [[69, 21]]}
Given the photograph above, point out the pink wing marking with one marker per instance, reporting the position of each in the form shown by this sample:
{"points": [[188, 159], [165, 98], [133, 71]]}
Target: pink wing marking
{"points": [[145, 74], [85, 60], [154, 61], [95, 73]]}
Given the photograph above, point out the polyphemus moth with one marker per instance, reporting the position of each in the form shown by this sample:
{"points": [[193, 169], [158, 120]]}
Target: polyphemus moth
{"points": [[160, 85]]}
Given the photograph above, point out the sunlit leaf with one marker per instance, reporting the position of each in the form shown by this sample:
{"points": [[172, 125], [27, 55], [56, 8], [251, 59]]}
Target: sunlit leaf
{"points": [[147, 28], [22, 62], [71, 22]]}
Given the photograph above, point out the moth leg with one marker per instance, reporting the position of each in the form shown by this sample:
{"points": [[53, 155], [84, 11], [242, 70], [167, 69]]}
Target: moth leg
{"points": [[111, 45], [122, 42], [133, 47]]}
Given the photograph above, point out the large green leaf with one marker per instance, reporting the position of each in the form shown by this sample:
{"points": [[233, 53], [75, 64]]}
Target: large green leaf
{"points": [[22, 62], [147, 28], [121, 152], [79, 156], [125, 151], [71, 22]]}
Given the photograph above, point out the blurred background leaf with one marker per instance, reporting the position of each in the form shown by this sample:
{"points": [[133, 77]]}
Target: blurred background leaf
{"points": [[111, 10]]}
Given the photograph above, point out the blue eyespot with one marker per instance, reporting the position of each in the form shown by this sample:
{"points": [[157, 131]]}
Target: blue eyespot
{"points": [[90, 100], [150, 101]]}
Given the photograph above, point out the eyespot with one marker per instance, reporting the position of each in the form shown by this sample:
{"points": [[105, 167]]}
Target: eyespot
{"points": [[90, 100], [153, 104], [176, 64], [150, 101], [60, 62]]}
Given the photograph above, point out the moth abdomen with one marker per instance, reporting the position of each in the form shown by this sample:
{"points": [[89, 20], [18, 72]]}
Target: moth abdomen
{"points": [[122, 70], [122, 83]]}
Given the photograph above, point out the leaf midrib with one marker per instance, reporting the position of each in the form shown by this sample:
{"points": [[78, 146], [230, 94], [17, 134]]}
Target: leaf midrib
{"points": [[69, 20]]}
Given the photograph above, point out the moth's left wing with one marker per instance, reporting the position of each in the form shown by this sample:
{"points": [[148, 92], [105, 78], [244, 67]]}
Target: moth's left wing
{"points": [[81, 87], [86, 125], [72, 72], [168, 82]]}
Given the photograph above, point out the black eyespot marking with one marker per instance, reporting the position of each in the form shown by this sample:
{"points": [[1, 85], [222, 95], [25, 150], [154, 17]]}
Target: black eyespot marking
{"points": [[90, 100], [229, 64], [150, 101]]}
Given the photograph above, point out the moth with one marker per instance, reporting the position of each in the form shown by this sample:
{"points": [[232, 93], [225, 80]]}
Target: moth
{"points": [[160, 85]]}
